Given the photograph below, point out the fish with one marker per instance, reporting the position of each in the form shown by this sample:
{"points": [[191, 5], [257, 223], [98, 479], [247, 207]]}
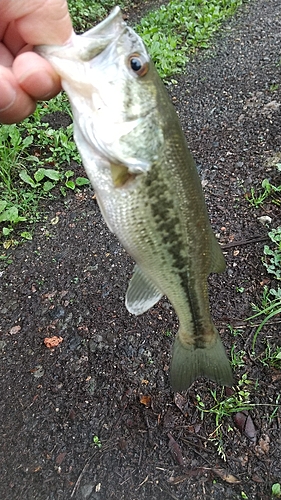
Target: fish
{"points": [[147, 186]]}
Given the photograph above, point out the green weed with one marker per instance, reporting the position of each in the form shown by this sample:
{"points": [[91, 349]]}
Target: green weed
{"points": [[224, 407], [273, 87], [97, 442], [168, 333], [256, 199], [237, 358], [276, 490], [53, 178], [268, 190], [272, 259], [274, 414], [177, 29], [235, 331], [271, 298], [271, 357]]}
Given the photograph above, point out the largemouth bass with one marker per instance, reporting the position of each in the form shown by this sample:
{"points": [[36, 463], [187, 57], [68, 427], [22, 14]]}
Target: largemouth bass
{"points": [[147, 186]]}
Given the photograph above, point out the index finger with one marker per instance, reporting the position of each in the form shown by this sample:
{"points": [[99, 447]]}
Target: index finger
{"points": [[38, 21]]}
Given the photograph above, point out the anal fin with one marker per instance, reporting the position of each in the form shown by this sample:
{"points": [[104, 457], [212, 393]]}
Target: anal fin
{"points": [[142, 294]]}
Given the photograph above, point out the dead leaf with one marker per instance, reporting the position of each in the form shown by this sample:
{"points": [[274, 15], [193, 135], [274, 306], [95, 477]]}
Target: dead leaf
{"points": [[145, 382], [60, 458], [229, 478], [38, 371], [276, 376], [175, 450], [257, 478], [51, 342], [181, 403], [229, 391], [145, 400], [272, 106], [49, 295], [243, 459], [190, 473], [262, 447], [15, 329], [37, 469], [177, 479], [246, 425]]}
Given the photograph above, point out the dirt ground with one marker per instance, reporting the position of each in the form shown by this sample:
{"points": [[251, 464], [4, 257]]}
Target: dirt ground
{"points": [[109, 377]]}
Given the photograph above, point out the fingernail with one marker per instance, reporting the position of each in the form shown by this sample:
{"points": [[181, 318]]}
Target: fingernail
{"points": [[7, 96]]}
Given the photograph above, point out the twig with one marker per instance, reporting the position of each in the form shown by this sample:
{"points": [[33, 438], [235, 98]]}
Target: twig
{"points": [[168, 492], [144, 481], [76, 486], [257, 239]]}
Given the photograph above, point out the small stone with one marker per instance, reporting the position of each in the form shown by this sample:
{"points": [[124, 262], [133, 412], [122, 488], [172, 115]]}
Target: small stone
{"points": [[265, 219], [86, 490]]}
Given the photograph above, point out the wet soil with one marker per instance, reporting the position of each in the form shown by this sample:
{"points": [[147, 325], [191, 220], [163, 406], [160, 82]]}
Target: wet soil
{"points": [[109, 376]]}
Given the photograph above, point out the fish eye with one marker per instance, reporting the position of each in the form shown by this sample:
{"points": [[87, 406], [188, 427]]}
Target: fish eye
{"points": [[138, 64]]}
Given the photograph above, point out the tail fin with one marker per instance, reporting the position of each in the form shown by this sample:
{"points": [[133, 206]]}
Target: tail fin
{"points": [[188, 363]]}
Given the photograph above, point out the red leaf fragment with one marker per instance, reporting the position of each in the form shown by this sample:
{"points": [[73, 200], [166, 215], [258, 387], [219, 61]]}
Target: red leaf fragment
{"points": [[51, 342], [175, 450], [246, 425]]}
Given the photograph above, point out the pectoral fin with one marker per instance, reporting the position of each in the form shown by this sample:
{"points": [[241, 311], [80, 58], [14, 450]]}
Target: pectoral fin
{"points": [[142, 294]]}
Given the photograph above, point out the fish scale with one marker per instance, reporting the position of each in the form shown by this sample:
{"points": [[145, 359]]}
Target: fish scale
{"points": [[147, 186]]}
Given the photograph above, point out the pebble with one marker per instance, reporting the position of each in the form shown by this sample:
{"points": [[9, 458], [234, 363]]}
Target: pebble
{"points": [[86, 490]]}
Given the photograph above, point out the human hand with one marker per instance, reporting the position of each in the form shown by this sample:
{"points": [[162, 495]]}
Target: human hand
{"points": [[26, 77]]}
